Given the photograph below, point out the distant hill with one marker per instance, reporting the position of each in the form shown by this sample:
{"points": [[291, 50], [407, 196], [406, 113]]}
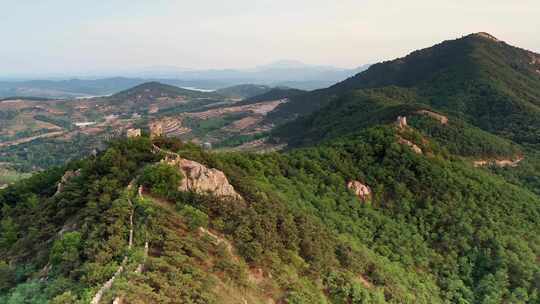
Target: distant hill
{"points": [[243, 91], [477, 78], [269, 74], [153, 90], [283, 73], [274, 94], [66, 88]]}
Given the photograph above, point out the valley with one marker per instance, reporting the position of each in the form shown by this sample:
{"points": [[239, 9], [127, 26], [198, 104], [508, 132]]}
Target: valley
{"points": [[201, 117]]}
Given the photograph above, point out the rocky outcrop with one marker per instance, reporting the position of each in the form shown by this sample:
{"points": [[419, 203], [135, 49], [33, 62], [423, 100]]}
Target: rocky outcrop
{"points": [[535, 59], [200, 179], [487, 36], [363, 192], [401, 122], [441, 118], [416, 149], [498, 162], [65, 178], [535, 62]]}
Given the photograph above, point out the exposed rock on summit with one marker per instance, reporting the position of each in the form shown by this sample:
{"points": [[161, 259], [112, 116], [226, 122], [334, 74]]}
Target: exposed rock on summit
{"points": [[200, 179], [487, 36], [535, 59]]}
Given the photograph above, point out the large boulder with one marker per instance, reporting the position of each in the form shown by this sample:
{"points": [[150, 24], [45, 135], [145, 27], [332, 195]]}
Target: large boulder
{"points": [[200, 179], [363, 192]]}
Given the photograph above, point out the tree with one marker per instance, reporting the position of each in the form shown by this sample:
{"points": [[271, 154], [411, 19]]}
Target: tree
{"points": [[8, 233], [194, 218], [65, 251], [161, 179]]}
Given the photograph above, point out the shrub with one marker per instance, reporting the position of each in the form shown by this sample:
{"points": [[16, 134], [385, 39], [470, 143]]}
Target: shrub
{"points": [[161, 179], [194, 218]]}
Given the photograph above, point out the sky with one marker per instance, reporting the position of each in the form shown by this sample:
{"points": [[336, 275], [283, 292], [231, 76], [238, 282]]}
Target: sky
{"points": [[77, 37]]}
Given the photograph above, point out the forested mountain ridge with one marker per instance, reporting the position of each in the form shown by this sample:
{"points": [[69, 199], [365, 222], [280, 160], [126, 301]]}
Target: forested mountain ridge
{"points": [[477, 78], [382, 203], [432, 229]]}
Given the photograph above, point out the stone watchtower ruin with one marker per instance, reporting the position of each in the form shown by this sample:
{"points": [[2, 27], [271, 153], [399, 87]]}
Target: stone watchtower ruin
{"points": [[131, 133], [156, 129], [401, 122]]}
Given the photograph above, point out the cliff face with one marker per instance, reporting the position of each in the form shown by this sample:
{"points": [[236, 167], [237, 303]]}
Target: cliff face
{"points": [[200, 179]]}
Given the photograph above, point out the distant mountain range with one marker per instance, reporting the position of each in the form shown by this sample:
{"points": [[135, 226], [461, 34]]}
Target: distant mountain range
{"points": [[282, 73]]}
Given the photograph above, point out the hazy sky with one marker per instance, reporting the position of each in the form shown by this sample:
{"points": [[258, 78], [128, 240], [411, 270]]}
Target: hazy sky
{"points": [[81, 36]]}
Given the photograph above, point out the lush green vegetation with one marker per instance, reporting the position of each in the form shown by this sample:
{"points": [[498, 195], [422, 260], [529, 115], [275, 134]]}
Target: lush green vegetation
{"points": [[46, 153], [201, 127], [238, 140], [463, 139], [151, 90], [64, 123], [161, 179], [243, 91], [436, 230], [273, 94], [8, 176], [489, 84], [489, 90]]}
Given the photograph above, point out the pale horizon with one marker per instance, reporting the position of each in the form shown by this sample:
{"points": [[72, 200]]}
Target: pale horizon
{"points": [[66, 38]]}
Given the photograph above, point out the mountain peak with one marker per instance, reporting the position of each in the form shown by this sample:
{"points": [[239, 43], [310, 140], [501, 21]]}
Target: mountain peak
{"points": [[486, 35]]}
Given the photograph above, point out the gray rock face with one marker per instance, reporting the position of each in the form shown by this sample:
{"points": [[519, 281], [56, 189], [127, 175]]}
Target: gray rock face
{"points": [[200, 179]]}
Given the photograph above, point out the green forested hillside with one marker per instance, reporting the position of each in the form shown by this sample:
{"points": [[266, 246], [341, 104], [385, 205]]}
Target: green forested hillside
{"points": [[482, 81], [274, 94], [243, 91], [426, 227], [364, 108], [489, 91], [153, 90], [434, 230]]}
